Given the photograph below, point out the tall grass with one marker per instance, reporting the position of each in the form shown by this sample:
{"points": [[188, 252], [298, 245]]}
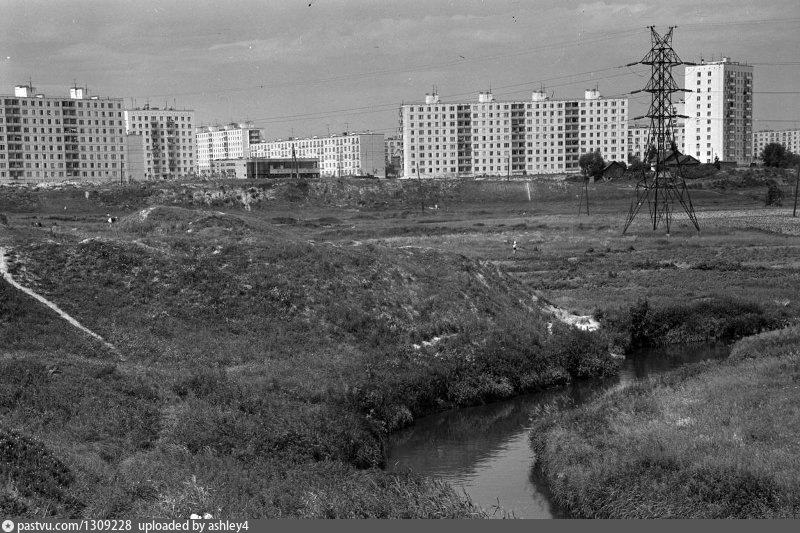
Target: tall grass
{"points": [[258, 352], [716, 440]]}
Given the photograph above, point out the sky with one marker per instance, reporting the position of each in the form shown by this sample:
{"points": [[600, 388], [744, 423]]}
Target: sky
{"points": [[313, 67]]}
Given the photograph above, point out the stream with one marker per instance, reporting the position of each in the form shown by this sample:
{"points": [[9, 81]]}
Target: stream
{"points": [[485, 451]]}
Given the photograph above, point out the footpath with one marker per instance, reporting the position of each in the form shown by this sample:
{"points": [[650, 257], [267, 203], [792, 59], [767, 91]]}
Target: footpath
{"points": [[9, 278]]}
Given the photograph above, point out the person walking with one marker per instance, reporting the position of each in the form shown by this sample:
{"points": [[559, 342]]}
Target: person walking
{"points": [[514, 247]]}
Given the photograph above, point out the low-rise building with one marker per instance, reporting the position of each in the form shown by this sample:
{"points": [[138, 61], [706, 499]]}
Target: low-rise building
{"points": [[349, 154], [255, 168]]}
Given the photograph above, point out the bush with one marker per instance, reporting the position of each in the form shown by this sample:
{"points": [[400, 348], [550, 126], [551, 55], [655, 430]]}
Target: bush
{"points": [[710, 319], [774, 194]]}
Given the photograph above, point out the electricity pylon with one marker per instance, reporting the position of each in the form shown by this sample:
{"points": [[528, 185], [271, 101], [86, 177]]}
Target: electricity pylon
{"points": [[661, 172]]}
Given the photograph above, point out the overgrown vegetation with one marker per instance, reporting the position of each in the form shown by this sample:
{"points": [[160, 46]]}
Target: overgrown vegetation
{"points": [[702, 320], [715, 440], [247, 349], [272, 346]]}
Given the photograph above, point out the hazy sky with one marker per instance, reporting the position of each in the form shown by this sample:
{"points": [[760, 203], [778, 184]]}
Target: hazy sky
{"points": [[306, 67]]}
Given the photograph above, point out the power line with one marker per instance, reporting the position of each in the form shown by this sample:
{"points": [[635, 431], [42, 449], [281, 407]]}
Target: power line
{"points": [[425, 66]]}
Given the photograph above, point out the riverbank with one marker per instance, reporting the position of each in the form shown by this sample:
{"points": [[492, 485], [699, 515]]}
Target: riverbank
{"points": [[260, 374], [285, 328], [712, 440]]}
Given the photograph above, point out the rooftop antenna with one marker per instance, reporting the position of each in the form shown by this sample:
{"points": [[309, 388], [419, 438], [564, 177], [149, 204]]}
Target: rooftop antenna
{"points": [[665, 182]]}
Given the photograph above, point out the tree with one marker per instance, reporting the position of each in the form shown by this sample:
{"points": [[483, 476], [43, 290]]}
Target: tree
{"points": [[776, 155], [592, 164], [634, 163], [774, 193]]}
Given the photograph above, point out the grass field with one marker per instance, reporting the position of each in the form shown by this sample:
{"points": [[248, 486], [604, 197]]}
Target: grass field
{"points": [[274, 333], [710, 441]]}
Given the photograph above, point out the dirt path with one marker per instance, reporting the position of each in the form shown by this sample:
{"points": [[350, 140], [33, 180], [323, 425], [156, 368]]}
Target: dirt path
{"points": [[7, 276]]}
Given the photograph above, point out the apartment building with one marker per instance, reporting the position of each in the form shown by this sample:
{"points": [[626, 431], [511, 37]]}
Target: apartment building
{"points": [[231, 141], [790, 139], [638, 134], [168, 138], [489, 137], [720, 111], [45, 138], [349, 154]]}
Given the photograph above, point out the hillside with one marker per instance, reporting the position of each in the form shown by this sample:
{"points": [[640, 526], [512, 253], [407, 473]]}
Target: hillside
{"points": [[249, 351]]}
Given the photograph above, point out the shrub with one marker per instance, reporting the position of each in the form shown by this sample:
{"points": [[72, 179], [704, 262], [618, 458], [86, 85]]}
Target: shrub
{"points": [[709, 319]]}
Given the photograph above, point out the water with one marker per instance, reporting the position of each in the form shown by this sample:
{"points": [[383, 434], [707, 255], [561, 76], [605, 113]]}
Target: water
{"points": [[485, 451]]}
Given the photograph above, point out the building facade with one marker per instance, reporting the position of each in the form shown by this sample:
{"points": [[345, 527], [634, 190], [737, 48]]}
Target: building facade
{"points": [[350, 154], [231, 141], [488, 137], [638, 134], [394, 154], [135, 163], [45, 138], [169, 140], [790, 139], [720, 111], [265, 168]]}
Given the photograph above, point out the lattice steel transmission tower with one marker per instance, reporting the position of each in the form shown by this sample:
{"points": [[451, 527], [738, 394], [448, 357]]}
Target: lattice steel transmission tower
{"points": [[661, 183]]}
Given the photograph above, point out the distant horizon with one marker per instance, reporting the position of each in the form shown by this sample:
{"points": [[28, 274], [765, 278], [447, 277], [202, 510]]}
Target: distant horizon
{"points": [[302, 69]]}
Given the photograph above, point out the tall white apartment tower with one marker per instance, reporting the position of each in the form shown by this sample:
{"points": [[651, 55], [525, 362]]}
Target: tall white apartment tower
{"points": [[224, 142], [720, 111], [169, 141]]}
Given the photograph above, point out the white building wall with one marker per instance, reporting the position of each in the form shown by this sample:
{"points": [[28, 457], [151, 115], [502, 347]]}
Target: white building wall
{"points": [[169, 139], [354, 154], [720, 111], [790, 139], [638, 137], [231, 141], [44, 138], [490, 137]]}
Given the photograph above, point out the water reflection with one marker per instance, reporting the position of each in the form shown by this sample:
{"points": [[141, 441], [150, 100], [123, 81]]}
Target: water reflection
{"points": [[485, 450]]}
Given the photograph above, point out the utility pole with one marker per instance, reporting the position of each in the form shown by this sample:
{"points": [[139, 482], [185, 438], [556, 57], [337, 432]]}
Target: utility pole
{"points": [[796, 183], [295, 172], [419, 190], [584, 193]]}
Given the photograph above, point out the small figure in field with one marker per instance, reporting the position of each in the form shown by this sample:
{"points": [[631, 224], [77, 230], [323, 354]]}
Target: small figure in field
{"points": [[514, 247]]}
